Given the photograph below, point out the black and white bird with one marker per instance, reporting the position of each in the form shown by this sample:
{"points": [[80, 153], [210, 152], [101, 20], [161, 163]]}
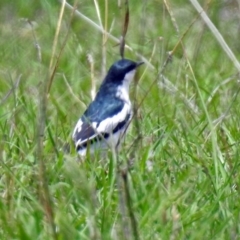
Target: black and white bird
{"points": [[105, 121]]}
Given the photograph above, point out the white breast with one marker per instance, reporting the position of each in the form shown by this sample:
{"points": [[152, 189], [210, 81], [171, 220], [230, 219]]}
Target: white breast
{"points": [[123, 90]]}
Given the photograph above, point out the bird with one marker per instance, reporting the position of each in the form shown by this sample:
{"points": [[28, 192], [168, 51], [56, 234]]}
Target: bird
{"points": [[105, 121]]}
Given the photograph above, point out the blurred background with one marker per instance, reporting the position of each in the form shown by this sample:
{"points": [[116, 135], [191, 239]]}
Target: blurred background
{"points": [[185, 174]]}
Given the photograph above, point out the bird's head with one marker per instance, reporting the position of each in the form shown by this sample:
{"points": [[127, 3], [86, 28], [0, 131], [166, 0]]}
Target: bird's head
{"points": [[122, 70]]}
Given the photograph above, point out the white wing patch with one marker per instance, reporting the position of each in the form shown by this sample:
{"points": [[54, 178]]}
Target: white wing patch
{"points": [[81, 127], [110, 123], [77, 128]]}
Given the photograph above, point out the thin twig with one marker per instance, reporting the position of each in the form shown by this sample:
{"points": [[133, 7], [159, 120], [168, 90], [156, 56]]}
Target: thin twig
{"points": [[124, 30], [53, 68], [104, 43], [42, 118], [43, 186], [122, 199], [72, 93], [55, 41], [44, 194], [124, 174], [125, 193]]}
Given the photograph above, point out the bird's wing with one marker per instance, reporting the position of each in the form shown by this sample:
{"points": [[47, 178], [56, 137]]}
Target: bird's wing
{"points": [[101, 122]]}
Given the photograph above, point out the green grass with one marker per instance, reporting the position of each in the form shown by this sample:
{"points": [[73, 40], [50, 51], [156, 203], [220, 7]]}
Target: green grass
{"points": [[192, 189]]}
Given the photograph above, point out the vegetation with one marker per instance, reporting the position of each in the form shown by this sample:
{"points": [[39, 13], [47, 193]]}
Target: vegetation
{"points": [[178, 170]]}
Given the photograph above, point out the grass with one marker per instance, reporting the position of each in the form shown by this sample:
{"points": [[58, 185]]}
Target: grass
{"points": [[183, 182]]}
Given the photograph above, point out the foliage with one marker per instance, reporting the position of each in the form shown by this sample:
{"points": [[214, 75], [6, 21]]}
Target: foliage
{"points": [[184, 174]]}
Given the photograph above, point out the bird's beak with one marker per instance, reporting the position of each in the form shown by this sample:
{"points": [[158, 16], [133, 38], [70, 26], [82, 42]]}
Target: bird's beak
{"points": [[139, 63]]}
